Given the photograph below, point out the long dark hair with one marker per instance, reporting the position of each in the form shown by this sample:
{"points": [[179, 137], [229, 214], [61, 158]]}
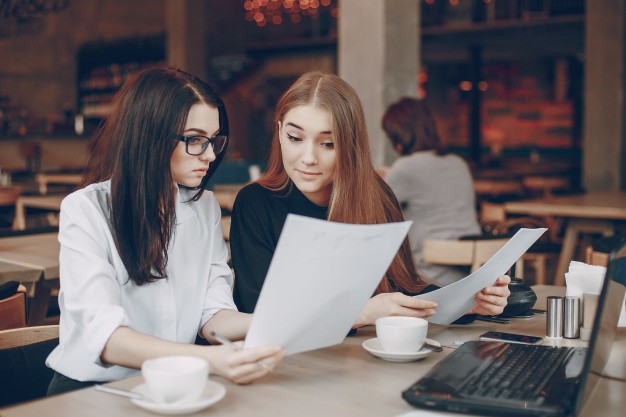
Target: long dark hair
{"points": [[133, 149], [359, 195], [409, 123]]}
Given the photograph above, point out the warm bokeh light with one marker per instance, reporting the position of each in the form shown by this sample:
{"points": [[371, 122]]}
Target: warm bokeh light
{"points": [[465, 85], [276, 11]]}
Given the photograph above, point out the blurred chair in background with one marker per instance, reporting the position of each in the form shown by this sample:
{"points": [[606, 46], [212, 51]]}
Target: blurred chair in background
{"points": [[494, 222], [23, 354], [597, 253], [540, 186], [12, 305], [470, 252]]}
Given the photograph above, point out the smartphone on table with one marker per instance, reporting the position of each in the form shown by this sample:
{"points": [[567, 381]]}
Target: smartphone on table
{"points": [[523, 339]]}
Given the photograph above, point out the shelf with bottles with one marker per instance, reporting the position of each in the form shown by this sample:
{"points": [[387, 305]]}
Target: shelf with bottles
{"points": [[104, 67]]}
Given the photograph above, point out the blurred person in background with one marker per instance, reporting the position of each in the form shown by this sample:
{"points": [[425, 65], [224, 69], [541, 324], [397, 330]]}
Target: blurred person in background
{"points": [[435, 188]]}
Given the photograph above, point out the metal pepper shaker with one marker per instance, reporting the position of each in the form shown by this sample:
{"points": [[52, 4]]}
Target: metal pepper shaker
{"points": [[571, 318], [554, 318]]}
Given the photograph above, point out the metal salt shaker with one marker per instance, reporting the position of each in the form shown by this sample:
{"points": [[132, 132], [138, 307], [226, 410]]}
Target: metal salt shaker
{"points": [[554, 318], [571, 318]]}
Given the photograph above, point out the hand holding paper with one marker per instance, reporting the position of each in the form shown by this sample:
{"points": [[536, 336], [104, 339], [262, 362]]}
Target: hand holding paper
{"points": [[320, 277], [458, 298]]}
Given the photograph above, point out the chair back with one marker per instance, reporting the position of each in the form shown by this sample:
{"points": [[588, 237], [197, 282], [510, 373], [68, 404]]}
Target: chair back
{"points": [[598, 252], [13, 311], [23, 354], [596, 258], [484, 249], [472, 253], [448, 252]]}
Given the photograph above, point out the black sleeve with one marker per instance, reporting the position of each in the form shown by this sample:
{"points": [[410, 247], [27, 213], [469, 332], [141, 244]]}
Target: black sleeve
{"points": [[252, 243]]}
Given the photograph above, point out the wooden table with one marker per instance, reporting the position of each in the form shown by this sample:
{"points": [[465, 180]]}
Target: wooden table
{"points": [[10, 271], [586, 213], [342, 380], [44, 179], [48, 202], [225, 194], [32, 259]]}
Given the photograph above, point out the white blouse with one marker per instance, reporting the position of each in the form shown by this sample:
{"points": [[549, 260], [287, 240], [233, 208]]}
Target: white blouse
{"points": [[96, 296]]}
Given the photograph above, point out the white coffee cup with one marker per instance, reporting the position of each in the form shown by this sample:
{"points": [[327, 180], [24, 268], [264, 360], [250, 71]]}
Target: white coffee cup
{"points": [[177, 379], [400, 334]]}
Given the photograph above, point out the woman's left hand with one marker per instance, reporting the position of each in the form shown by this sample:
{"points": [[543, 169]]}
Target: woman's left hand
{"points": [[492, 300]]}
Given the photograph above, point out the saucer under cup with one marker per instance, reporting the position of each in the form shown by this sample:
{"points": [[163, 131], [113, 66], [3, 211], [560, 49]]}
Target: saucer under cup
{"points": [[175, 379], [401, 334]]}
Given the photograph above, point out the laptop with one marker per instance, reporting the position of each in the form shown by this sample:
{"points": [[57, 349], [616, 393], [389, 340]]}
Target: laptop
{"points": [[497, 379]]}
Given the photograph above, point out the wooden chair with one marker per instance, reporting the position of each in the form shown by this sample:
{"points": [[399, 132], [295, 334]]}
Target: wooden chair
{"points": [[598, 252], [472, 253], [13, 310], [545, 186], [494, 221], [596, 258], [23, 353]]}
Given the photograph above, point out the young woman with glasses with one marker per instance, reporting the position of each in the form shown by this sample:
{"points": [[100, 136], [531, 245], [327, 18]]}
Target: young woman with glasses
{"points": [[320, 166], [143, 258]]}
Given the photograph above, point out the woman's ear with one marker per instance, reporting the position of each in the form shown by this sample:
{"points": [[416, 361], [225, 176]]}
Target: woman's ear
{"points": [[399, 148]]}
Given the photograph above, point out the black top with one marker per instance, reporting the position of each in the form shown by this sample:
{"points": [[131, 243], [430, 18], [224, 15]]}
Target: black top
{"points": [[257, 220]]}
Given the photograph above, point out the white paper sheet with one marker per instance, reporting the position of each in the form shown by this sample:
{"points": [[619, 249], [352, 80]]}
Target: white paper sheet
{"points": [[458, 298], [320, 277]]}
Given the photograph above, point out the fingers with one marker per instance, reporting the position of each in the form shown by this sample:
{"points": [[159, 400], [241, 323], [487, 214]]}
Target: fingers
{"points": [[404, 305], [491, 305], [503, 280], [411, 312], [412, 302], [251, 364]]}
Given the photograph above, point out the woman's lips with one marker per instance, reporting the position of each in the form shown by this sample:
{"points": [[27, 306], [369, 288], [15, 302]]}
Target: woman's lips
{"points": [[306, 174]]}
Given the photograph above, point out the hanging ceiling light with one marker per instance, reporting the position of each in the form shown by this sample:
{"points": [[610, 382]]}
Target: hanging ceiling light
{"points": [[263, 12]]}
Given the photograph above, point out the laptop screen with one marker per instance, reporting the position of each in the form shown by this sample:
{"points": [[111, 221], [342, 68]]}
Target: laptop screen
{"points": [[608, 311]]}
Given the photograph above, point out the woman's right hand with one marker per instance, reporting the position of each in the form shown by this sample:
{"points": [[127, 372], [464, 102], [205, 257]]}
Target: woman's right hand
{"points": [[240, 366], [394, 304]]}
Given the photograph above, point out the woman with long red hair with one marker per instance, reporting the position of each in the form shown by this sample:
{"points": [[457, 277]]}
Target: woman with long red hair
{"points": [[320, 166]]}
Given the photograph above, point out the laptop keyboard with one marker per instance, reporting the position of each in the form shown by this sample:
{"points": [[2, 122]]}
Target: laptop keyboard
{"points": [[517, 372]]}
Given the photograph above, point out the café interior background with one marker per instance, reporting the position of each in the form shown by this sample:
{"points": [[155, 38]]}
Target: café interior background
{"points": [[509, 81]]}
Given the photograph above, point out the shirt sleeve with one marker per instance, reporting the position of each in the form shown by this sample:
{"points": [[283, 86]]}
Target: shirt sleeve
{"points": [[90, 286], [252, 247], [220, 288]]}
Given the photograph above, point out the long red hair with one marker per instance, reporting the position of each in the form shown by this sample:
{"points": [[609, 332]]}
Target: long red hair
{"points": [[359, 195]]}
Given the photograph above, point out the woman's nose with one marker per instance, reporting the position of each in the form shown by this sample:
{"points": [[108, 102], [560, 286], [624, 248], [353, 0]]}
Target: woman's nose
{"points": [[309, 156], [208, 154]]}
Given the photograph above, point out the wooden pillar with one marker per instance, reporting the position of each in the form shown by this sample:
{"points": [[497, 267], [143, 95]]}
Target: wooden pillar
{"points": [[186, 23], [604, 141], [379, 57]]}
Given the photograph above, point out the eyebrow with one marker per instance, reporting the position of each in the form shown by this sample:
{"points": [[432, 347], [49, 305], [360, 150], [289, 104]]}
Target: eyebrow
{"points": [[202, 132], [328, 132]]}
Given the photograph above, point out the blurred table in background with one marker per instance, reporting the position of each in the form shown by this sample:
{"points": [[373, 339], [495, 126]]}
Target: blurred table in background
{"points": [[32, 259], [44, 179], [47, 202], [225, 194], [584, 213]]}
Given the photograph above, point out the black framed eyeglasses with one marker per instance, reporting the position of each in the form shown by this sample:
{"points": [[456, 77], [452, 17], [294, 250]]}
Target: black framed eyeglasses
{"points": [[197, 144]]}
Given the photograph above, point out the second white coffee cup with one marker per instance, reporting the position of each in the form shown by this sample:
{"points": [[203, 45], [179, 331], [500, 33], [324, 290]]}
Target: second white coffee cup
{"points": [[401, 334], [175, 378]]}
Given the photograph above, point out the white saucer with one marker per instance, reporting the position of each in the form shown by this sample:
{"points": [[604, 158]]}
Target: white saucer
{"points": [[213, 392], [373, 346]]}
